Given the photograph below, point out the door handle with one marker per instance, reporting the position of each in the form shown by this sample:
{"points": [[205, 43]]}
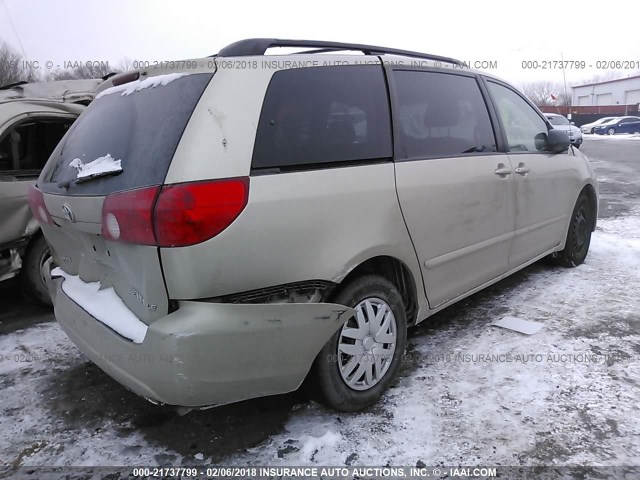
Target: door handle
{"points": [[502, 170], [521, 169]]}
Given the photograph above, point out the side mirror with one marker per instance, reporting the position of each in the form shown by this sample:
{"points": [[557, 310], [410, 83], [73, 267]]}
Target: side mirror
{"points": [[573, 123], [557, 141]]}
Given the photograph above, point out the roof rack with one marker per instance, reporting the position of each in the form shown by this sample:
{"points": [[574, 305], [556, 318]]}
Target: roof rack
{"points": [[258, 46]]}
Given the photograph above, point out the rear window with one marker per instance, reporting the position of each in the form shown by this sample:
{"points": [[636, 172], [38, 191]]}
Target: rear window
{"points": [[558, 120], [324, 115], [141, 129]]}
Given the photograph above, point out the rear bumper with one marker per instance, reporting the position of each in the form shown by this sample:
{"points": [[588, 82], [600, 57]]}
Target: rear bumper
{"points": [[206, 354]]}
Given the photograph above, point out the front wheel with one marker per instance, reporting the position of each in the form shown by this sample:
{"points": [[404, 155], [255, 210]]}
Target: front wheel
{"points": [[611, 131], [362, 358], [579, 235]]}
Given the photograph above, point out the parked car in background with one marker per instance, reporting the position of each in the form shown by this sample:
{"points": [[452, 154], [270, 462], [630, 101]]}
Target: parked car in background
{"points": [[590, 127], [256, 228], [619, 125], [560, 122], [33, 119]]}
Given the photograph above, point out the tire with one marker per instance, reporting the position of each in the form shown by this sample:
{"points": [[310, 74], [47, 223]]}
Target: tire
{"points": [[611, 131], [579, 235], [31, 282], [577, 145], [330, 372]]}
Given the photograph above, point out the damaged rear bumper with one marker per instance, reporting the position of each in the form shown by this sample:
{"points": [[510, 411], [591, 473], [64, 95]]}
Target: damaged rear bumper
{"points": [[206, 354]]}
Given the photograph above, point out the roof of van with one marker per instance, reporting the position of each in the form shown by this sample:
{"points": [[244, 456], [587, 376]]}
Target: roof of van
{"points": [[257, 47]]}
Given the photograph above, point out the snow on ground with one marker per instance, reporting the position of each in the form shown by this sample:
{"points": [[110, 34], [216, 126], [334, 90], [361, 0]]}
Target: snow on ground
{"points": [[619, 136], [31, 434], [468, 393]]}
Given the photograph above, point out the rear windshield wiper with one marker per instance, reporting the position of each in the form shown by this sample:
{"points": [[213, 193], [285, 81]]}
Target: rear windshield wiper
{"points": [[98, 175]]}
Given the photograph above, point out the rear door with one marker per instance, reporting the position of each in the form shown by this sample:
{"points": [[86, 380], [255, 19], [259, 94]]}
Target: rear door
{"points": [[455, 188], [544, 191], [140, 124]]}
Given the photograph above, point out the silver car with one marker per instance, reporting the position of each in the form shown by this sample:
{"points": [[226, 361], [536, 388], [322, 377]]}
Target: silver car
{"points": [[561, 122], [33, 119], [228, 230]]}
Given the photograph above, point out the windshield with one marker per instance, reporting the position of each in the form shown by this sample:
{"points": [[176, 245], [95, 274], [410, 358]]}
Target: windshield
{"points": [[558, 120], [124, 140]]}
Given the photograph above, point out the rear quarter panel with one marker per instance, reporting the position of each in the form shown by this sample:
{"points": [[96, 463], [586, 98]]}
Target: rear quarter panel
{"points": [[297, 226]]}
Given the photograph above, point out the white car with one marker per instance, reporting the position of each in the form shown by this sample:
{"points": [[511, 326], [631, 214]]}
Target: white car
{"points": [[590, 127], [560, 122]]}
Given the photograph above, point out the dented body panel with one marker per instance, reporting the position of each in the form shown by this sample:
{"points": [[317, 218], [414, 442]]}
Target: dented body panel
{"points": [[20, 104], [207, 354]]}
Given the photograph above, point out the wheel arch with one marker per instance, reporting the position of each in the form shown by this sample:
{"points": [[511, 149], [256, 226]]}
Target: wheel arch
{"points": [[398, 273], [590, 192]]}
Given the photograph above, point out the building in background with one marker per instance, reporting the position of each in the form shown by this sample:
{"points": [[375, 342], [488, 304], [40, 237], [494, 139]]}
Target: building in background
{"points": [[601, 99], [623, 94]]}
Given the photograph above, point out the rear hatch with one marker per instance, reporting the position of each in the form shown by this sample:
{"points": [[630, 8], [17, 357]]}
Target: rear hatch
{"points": [[117, 153]]}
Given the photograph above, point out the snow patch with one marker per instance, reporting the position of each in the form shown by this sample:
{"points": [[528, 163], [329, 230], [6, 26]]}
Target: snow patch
{"points": [[103, 304], [99, 166], [518, 325], [136, 86]]}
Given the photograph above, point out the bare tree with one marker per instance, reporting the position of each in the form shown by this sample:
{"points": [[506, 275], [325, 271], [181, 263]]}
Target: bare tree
{"points": [[124, 65], [13, 66], [545, 93], [83, 70]]}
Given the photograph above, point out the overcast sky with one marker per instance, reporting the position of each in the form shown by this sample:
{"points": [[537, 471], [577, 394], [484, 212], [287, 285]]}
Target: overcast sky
{"points": [[506, 32]]}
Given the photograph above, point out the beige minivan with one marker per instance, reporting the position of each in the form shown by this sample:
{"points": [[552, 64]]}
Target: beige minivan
{"points": [[225, 228]]}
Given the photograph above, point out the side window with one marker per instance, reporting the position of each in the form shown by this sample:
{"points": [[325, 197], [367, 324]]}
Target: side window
{"points": [[441, 114], [26, 147], [323, 115], [526, 131]]}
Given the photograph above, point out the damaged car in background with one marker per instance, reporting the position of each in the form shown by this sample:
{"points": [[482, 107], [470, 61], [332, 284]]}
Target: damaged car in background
{"points": [[221, 234], [33, 119]]}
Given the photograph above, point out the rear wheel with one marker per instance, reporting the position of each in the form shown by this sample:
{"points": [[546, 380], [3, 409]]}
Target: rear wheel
{"points": [[32, 283], [579, 235], [361, 359]]}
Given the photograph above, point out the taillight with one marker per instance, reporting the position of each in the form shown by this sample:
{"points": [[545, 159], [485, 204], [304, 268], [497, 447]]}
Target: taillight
{"points": [[190, 213], [128, 216], [38, 207], [174, 215]]}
